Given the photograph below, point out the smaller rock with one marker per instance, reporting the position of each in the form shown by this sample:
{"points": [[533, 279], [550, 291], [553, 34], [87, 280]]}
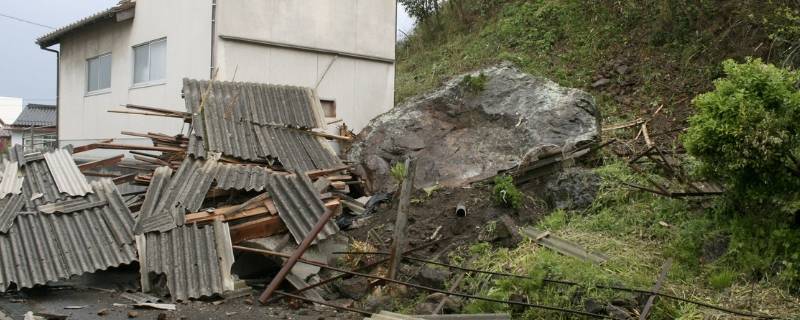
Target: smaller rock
{"points": [[432, 277], [102, 312], [133, 314], [162, 316], [450, 305], [354, 288], [592, 306], [378, 303], [218, 302], [601, 82], [248, 301], [573, 189], [425, 308], [622, 69]]}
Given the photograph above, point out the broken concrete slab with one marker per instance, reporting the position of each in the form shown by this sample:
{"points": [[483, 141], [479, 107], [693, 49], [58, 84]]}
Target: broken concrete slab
{"points": [[460, 135]]}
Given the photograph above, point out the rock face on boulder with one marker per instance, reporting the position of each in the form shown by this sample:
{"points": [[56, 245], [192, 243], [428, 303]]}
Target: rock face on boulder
{"points": [[474, 126]]}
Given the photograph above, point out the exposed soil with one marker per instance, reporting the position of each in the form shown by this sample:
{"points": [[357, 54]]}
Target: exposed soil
{"points": [[427, 214]]}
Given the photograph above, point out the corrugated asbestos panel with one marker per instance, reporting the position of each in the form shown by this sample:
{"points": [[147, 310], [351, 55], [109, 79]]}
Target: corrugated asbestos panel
{"points": [[47, 247], [186, 189], [149, 221], [9, 208], [70, 205], [241, 177], [39, 186], [299, 205], [190, 257], [65, 172], [295, 149], [11, 182], [257, 122]]}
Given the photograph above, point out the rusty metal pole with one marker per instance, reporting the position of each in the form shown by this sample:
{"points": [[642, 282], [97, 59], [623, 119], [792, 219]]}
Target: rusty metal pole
{"points": [[401, 224], [296, 256]]}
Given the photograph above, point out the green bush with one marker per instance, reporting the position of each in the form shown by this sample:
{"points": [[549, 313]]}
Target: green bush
{"points": [[398, 172], [746, 132], [474, 84], [505, 193]]}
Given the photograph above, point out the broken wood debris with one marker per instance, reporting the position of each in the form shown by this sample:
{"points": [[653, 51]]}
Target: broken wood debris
{"points": [[562, 246]]}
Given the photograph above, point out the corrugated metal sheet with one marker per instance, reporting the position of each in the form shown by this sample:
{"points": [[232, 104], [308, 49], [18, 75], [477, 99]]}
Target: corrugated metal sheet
{"points": [[9, 207], [241, 177], [257, 122], [190, 257], [47, 247], [299, 205], [148, 219], [11, 182], [65, 172], [70, 205]]}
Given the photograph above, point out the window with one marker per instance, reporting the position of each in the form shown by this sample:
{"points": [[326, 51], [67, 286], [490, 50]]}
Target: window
{"points": [[98, 70], [329, 108], [150, 61]]}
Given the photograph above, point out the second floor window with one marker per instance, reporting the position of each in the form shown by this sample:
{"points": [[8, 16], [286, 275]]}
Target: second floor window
{"points": [[150, 61], [98, 70]]}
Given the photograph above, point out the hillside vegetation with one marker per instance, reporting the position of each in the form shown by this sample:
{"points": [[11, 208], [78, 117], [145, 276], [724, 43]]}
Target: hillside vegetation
{"points": [[636, 57]]}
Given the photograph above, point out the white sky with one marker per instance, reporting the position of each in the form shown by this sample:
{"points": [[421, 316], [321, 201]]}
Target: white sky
{"points": [[29, 72]]}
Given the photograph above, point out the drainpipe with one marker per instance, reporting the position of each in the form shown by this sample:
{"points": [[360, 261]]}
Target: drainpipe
{"points": [[213, 38], [58, 91]]}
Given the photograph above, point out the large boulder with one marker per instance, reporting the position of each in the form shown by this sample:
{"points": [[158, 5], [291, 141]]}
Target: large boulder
{"points": [[473, 127]]}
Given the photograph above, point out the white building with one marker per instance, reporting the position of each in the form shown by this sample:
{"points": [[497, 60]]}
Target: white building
{"points": [[139, 51]]}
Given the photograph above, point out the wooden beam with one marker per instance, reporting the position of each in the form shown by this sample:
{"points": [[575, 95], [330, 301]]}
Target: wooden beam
{"points": [[101, 163], [652, 299], [158, 110], [260, 228], [115, 146], [124, 178], [90, 146], [330, 136], [218, 214], [146, 114], [156, 161], [313, 174], [401, 223]]}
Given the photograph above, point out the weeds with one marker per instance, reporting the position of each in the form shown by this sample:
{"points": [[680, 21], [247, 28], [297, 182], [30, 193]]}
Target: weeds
{"points": [[475, 84], [505, 193], [398, 172]]}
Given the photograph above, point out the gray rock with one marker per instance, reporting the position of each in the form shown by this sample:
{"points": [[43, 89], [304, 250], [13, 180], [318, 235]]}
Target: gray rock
{"points": [[573, 189], [432, 277], [460, 136], [378, 303], [601, 82], [354, 288]]}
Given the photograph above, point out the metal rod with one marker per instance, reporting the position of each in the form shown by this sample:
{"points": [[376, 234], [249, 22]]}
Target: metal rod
{"points": [[342, 275], [426, 288], [289, 264], [572, 283], [324, 303]]}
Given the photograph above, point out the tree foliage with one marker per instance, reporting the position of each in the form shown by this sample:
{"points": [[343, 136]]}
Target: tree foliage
{"points": [[420, 10], [746, 132]]}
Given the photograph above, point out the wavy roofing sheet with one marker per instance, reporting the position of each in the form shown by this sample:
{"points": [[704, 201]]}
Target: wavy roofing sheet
{"points": [[65, 173], [241, 177], [195, 263], [257, 122], [9, 208], [11, 182], [148, 219], [39, 186], [47, 247], [299, 206]]}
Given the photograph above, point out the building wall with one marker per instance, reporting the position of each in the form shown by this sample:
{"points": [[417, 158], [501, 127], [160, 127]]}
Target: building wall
{"points": [[84, 118], [362, 88]]}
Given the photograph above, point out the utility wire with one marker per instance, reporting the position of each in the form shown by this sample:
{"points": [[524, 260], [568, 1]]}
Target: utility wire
{"points": [[25, 21]]}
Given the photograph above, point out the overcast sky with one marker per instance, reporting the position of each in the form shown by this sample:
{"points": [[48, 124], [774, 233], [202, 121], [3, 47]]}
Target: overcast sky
{"points": [[29, 72]]}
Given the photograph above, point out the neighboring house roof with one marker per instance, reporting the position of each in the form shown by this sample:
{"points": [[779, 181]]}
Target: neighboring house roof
{"points": [[54, 36], [4, 133], [36, 115]]}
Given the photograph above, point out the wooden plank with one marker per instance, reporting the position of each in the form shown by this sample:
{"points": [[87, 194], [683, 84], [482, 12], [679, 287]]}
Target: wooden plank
{"points": [[205, 216], [124, 178], [101, 163], [652, 299], [260, 228], [339, 177], [313, 174], [154, 161], [88, 147], [329, 136], [401, 223], [145, 113], [562, 246], [115, 146], [157, 109]]}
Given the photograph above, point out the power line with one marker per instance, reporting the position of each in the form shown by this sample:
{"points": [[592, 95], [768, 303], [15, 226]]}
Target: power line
{"points": [[25, 21]]}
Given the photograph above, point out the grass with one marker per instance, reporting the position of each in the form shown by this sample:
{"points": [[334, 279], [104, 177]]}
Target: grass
{"points": [[638, 232]]}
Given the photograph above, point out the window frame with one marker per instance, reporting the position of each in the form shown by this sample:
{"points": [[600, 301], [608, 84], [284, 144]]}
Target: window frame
{"points": [[88, 91], [149, 82]]}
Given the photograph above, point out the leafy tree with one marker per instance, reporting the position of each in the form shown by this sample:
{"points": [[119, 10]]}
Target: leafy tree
{"points": [[421, 10], [746, 132]]}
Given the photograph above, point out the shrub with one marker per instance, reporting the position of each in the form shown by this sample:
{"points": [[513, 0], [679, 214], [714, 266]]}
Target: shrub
{"points": [[746, 133], [505, 193], [474, 84]]}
